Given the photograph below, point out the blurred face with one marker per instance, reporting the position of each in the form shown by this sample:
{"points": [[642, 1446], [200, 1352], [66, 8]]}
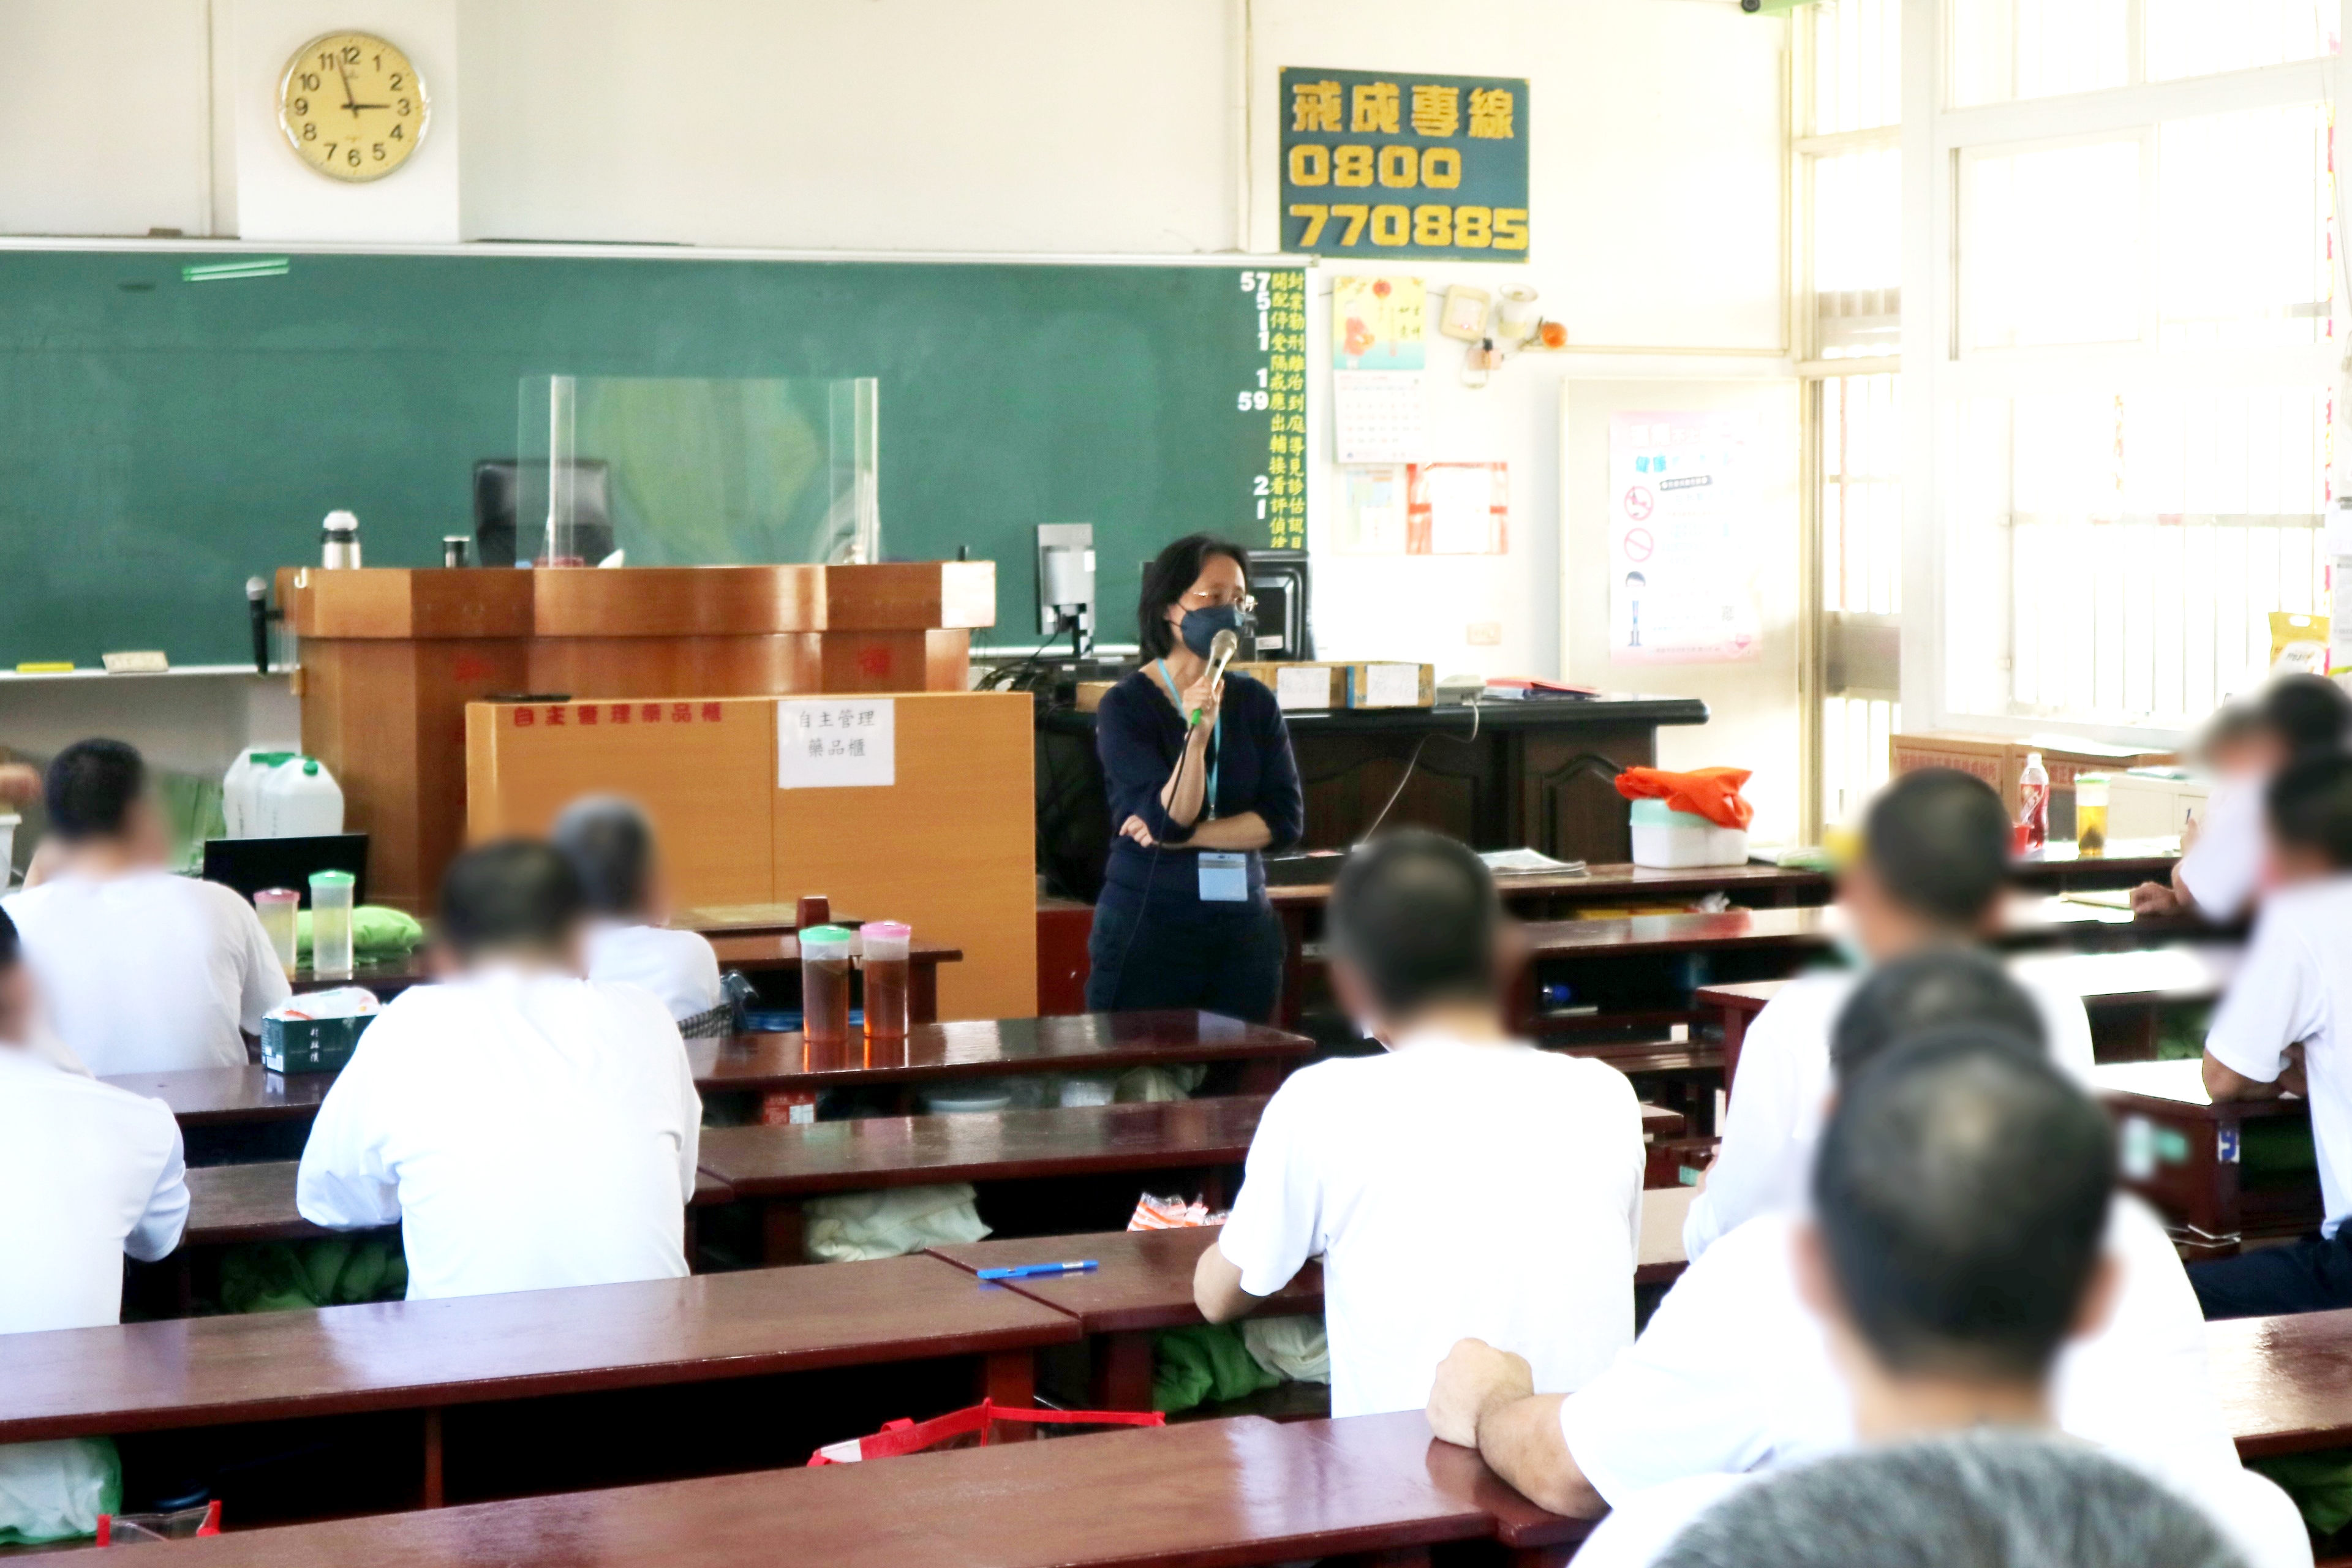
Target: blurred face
{"points": [[2257, 754], [1219, 583], [1884, 929]]}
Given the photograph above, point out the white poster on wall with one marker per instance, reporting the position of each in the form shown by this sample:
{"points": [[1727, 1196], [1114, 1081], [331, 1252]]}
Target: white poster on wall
{"points": [[836, 742], [1686, 523]]}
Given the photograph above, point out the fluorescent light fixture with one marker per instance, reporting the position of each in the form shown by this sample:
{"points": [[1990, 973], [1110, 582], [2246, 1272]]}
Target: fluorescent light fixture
{"points": [[221, 271]]}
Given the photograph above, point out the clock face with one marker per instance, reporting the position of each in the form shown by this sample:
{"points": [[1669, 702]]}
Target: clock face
{"points": [[352, 106]]}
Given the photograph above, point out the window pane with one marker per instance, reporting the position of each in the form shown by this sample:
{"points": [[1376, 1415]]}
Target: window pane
{"points": [[2139, 541], [1857, 65], [2196, 38], [2003, 50], [1858, 254], [1862, 494], [2050, 247], [2243, 223], [1857, 736]]}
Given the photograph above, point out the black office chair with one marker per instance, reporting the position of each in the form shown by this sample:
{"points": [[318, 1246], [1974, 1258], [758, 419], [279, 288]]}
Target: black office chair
{"points": [[496, 480]]}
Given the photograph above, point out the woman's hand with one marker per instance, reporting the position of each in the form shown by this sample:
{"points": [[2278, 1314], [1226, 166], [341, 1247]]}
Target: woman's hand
{"points": [[1202, 697], [1133, 827]]}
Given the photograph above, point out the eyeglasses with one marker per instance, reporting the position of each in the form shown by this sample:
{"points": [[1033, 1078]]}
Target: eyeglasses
{"points": [[1214, 597]]}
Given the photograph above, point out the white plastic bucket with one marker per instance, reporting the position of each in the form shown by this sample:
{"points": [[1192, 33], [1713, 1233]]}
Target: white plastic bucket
{"points": [[1669, 840]]}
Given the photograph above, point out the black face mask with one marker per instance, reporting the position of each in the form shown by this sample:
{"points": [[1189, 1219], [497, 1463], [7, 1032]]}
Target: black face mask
{"points": [[1200, 627]]}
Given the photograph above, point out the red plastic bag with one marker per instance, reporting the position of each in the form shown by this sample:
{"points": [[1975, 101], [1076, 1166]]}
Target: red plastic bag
{"points": [[138, 1529], [913, 1437], [1711, 793]]}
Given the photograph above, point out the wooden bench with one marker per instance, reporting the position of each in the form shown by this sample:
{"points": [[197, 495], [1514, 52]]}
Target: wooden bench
{"points": [[1210, 1494], [2184, 1154], [432, 1356], [931, 1053], [228, 1205]]}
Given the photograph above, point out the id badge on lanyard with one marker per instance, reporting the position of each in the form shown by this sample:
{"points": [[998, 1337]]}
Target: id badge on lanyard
{"points": [[1224, 874]]}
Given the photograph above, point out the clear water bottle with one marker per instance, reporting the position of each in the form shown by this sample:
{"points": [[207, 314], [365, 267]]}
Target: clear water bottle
{"points": [[2034, 805]]}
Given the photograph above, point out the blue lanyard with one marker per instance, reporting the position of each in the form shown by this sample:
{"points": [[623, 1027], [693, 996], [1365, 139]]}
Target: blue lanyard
{"points": [[1216, 739]]}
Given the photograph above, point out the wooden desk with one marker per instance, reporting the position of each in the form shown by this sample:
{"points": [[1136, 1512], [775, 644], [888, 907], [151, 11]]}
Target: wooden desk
{"points": [[1145, 1283], [2285, 1383], [438, 1355], [754, 953], [1210, 1494], [2183, 1153], [934, 1053], [931, 1053], [2106, 982], [779, 1166]]}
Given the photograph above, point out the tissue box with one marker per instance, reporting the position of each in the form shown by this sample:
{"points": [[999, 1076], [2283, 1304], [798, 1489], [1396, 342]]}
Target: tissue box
{"points": [[1669, 840], [311, 1044]]}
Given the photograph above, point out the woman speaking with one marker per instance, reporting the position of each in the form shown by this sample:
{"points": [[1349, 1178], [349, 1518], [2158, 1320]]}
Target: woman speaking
{"points": [[1201, 779]]}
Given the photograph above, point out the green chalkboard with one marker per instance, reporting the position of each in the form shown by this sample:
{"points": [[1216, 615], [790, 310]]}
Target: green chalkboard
{"points": [[163, 440]]}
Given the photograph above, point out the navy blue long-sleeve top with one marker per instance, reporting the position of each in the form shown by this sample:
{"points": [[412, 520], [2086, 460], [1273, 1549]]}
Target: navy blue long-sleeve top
{"points": [[1139, 735]]}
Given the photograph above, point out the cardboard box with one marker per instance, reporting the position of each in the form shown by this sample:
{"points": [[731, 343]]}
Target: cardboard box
{"points": [[1377, 684], [311, 1044], [1999, 760], [1300, 686]]}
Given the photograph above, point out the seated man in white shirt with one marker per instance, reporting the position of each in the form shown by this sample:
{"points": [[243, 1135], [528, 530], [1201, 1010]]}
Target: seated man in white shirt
{"points": [[1933, 872], [526, 1126], [2006, 1499], [611, 846], [144, 971], [2285, 1024], [1733, 1374], [1461, 1182], [2219, 875], [1961, 1196], [88, 1174]]}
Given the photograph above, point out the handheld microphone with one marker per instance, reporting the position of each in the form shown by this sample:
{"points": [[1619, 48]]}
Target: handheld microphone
{"points": [[257, 606], [1221, 649]]}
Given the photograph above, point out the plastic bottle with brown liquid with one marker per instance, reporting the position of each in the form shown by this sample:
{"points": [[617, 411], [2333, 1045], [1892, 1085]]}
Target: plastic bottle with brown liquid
{"points": [[886, 964], [824, 985]]}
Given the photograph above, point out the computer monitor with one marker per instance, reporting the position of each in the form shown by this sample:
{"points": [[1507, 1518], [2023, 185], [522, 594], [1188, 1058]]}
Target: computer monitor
{"points": [[1281, 583], [497, 482], [249, 864]]}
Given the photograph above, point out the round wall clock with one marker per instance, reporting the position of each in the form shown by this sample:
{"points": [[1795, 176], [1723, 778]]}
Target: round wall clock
{"points": [[352, 106]]}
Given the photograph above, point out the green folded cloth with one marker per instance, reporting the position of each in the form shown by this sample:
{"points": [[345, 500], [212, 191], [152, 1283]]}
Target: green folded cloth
{"points": [[334, 1271], [2321, 1485], [1206, 1361], [376, 932]]}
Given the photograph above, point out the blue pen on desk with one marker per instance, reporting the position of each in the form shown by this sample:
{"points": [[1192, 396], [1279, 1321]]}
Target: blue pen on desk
{"points": [[1034, 1270]]}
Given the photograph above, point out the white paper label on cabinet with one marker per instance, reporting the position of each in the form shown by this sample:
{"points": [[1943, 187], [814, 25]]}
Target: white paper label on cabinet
{"points": [[1302, 686], [1392, 686], [836, 742]]}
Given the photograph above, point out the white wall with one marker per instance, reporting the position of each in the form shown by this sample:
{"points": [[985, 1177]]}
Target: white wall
{"points": [[1060, 126]]}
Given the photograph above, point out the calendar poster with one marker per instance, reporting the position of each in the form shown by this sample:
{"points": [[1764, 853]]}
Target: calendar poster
{"points": [[1683, 520]]}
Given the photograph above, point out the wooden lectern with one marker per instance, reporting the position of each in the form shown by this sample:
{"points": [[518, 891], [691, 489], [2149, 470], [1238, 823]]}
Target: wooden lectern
{"points": [[389, 658]]}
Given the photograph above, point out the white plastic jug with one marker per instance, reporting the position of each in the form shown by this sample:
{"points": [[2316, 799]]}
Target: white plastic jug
{"points": [[299, 798], [241, 788]]}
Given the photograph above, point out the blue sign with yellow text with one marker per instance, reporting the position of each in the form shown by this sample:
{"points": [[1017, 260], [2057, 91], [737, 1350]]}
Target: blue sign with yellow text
{"points": [[1382, 163]]}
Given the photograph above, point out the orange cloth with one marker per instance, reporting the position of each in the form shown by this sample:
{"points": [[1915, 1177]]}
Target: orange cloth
{"points": [[1711, 793]]}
